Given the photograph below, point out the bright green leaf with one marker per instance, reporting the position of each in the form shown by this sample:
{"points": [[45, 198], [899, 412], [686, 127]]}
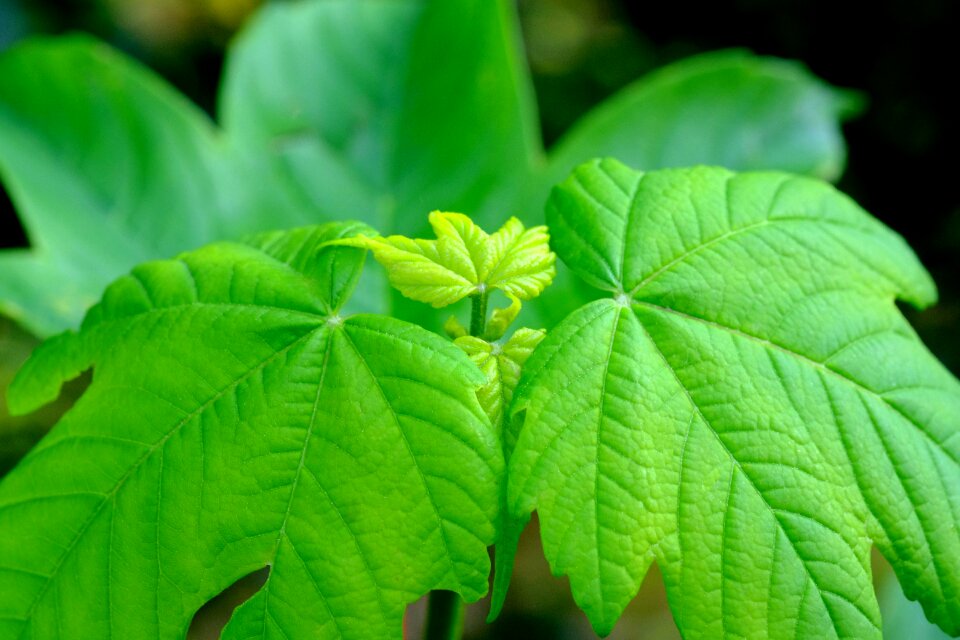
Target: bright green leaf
{"points": [[726, 108], [237, 421], [749, 408], [464, 260]]}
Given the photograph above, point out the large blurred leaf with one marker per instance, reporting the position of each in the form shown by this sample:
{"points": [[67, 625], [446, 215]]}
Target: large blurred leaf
{"points": [[748, 408], [236, 421], [385, 108], [727, 108], [380, 110], [107, 166]]}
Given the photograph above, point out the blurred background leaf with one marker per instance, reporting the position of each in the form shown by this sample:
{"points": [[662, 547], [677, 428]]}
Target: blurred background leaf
{"points": [[109, 168], [340, 109]]}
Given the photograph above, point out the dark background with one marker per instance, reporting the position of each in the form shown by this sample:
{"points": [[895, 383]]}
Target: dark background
{"points": [[902, 56]]}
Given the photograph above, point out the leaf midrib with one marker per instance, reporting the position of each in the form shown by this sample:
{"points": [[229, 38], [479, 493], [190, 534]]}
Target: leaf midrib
{"points": [[615, 330], [293, 489]]}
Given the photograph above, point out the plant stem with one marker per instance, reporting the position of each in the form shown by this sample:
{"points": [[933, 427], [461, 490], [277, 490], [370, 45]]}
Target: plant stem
{"points": [[478, 314], [444, 616]]}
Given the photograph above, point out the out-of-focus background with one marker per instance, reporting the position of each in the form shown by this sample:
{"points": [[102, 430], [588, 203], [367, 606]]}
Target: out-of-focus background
{"points": [[902, 167]]}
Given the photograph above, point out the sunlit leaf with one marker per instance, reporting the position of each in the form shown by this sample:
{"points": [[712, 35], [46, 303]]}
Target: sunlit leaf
{"points": [[748, 408], [236, 421], [464, 260]]}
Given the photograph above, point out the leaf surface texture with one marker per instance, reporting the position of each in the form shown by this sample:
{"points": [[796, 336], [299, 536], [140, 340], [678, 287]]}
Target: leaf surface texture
{"points": [[237, 421], [748, 408]]}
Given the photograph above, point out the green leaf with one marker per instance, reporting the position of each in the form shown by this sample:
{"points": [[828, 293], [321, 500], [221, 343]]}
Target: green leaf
{"points": [[107, 166], [370, 125], [748, 408], [726, 108], [465, 261], [236, 420]]}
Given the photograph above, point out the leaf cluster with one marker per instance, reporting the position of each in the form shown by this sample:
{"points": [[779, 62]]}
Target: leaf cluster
{"points": [[747, 407], [727, 387]]}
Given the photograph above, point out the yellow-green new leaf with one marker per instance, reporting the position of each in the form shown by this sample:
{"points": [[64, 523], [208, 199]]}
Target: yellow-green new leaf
{"points": [[519, 260], [502, 366], [465, 260], [501, 319]]}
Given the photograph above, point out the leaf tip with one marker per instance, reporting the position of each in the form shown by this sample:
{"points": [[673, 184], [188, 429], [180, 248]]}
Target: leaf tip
{"points": [[40, 379]]}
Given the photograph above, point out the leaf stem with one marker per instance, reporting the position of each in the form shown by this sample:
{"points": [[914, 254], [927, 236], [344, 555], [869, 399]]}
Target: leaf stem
{"points": [[478, 314], [444, 616]]}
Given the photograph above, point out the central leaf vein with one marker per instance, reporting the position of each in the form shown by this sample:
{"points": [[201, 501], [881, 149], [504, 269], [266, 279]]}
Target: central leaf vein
{"points": [[596, 462]]}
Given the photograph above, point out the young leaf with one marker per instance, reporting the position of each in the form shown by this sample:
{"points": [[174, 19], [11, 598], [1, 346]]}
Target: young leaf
{"points": [[502, 318], [748, 408], [236, 421], [464, 260], [502, 364]]}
